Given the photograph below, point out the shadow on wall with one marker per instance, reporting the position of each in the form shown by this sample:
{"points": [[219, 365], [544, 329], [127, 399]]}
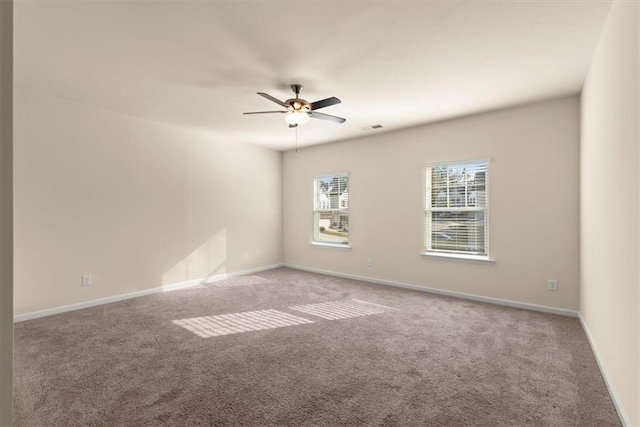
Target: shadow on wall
{"points": [[207, 260]]}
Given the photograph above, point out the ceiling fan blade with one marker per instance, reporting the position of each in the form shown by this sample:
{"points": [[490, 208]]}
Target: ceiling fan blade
{"points": [[265, 112], [271, 98], [324, 103], [328, 117]]}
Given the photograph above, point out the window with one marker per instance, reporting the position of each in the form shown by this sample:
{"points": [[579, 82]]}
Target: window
{"points": [[457, 208], [331, 209]]}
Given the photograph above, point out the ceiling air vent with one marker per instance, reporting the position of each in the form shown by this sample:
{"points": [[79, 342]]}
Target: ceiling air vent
{"points": [[372, 127]]}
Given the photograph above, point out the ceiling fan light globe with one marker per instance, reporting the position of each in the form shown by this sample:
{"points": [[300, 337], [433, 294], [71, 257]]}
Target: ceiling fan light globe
{"points": [[296, 118]]}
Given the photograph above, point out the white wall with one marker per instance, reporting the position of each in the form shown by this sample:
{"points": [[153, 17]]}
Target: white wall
{"points": [[534, 203], [6, 226], [134, 203], [609, 205]]}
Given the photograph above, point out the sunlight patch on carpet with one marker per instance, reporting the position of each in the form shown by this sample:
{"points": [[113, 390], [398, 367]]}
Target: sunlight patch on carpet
{"points": [[342, 309], [241, 281], [235, 323]]}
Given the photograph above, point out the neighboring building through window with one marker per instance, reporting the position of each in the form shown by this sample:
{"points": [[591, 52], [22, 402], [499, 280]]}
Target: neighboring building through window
{"points": [[457, 207], [331, 209]]}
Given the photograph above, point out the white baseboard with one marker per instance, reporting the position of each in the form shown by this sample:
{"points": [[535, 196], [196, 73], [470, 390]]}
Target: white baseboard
{"points": [[165, 288], [623, 417], [472, 297]]}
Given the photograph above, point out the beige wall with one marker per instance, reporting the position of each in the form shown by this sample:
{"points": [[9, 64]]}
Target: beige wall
{"points": [[6, 226], [134, 203], [534, 203], [609, 205]]}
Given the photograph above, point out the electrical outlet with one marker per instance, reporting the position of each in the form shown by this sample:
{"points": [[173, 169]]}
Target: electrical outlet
{"points": [[369, 262], [552, 284], [86, 280]]}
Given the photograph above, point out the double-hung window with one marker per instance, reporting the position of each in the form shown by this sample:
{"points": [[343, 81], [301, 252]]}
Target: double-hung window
{"points": [[457, 208], [331, 209]]}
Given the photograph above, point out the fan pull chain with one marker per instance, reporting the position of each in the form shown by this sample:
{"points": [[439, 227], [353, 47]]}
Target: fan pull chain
{"points": [[296, 139]]}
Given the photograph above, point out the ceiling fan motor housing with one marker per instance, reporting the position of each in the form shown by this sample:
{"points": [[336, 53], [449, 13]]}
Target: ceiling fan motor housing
{"points": [[298, 105]]}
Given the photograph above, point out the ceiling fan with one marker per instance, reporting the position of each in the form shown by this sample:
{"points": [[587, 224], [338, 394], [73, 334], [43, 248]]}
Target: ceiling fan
{"points": [[298, 110]]}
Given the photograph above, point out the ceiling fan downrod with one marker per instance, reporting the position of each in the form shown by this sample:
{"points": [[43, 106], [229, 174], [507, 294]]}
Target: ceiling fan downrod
{"points": [[297, 89]]}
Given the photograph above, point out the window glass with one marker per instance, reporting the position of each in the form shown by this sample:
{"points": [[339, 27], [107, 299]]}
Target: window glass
{"points": [[331, 209]]}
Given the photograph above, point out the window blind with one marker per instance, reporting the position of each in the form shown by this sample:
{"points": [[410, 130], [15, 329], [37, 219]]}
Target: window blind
{"points": [[457, 206]]}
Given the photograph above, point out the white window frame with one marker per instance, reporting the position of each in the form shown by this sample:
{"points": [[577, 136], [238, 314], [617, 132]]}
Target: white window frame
{"points": [[454, 255], [322, 209]]}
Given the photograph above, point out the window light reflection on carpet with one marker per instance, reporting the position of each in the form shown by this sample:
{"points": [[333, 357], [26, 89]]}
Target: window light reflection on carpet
{"points": [[234, 323]]}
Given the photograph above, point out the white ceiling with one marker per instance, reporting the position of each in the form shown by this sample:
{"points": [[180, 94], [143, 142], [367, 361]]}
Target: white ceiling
{"points": [[199, 64]]}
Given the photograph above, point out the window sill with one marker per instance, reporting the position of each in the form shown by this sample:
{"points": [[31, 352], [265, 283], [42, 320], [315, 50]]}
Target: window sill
{"points": [[458, 257], [332, 246]]}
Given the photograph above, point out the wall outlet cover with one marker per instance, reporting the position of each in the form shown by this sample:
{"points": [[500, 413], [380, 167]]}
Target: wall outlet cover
{"points": [[86, 280]]}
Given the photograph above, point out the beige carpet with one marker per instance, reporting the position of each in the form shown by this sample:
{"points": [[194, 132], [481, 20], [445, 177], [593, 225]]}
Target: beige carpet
{"points": [[290, 348]]}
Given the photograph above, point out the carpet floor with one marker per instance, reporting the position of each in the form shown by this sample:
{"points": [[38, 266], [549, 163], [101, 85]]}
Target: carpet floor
{"points": [[291, 348]]}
